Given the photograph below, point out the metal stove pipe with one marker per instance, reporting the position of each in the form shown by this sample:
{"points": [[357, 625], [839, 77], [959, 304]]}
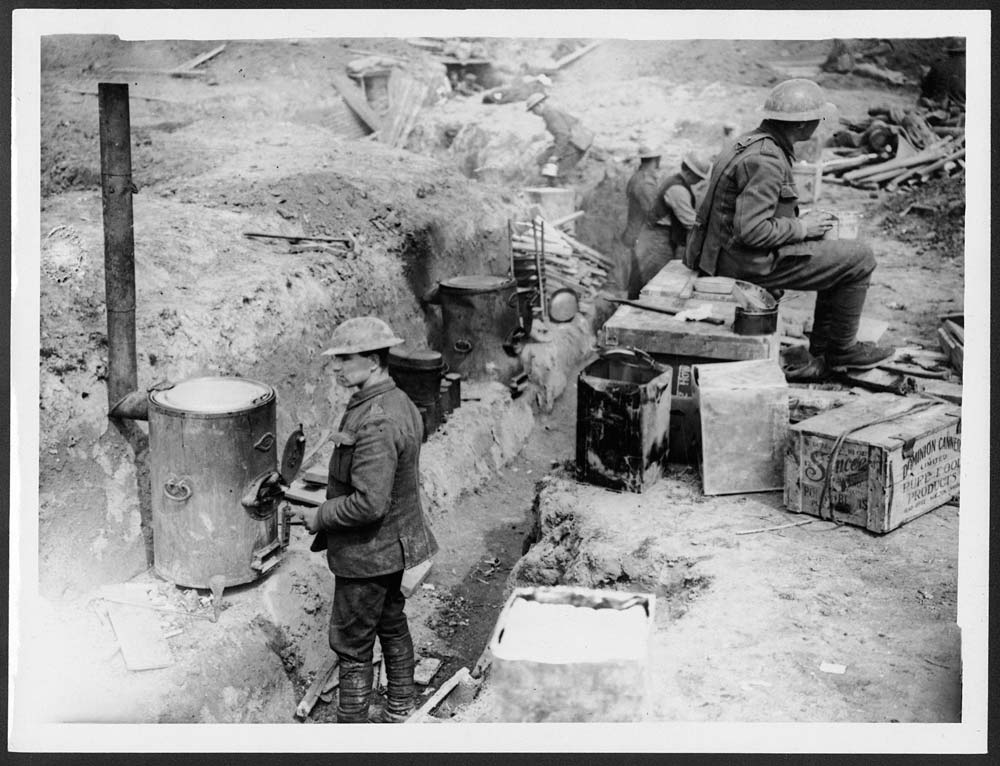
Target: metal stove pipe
{"points": [[124, 400]]}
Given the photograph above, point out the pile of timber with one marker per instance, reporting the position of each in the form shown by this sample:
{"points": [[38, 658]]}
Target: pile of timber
{"points": [[896, 147], [951, 336], [946, 156], [566, 261]]}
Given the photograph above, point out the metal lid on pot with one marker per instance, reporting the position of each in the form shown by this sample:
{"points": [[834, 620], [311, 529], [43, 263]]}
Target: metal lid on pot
{"points": [[477, 283], [414, 358], [213, 395]]}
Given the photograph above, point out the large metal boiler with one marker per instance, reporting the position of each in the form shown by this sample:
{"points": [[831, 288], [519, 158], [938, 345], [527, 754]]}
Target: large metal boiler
{"points": [[215, 481]]}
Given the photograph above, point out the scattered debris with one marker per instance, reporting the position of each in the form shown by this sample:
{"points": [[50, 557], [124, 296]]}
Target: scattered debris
{"points": [[833, 667], [138, 632], [439, 696], [316, 688]]}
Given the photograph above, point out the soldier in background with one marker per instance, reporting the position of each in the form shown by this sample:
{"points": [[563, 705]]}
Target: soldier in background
{"points": [[664, 232], [571, 139]]}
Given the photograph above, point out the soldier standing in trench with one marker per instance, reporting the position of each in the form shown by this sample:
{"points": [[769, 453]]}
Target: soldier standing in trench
{"points": [[672, 214], [640, 192], [372, 525], [571, 139], [748, 228]]}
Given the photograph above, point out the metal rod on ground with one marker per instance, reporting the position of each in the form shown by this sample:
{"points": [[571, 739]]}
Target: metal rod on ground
{"points": [[446, 688], [774, 529], [119, 244], [157, 608]]}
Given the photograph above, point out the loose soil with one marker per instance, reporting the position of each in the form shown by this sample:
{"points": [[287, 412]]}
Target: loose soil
{"points": [[265, 143]]}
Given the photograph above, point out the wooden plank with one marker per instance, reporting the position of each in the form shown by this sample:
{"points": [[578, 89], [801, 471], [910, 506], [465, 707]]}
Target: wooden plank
{"points": [[169, 72], [956, 330], [197, 60], [316, 688], [660, 334], [424, 672], [355, 99], [138, 633], [805, 403], [951, 392], [569, 58], [438, 697]]}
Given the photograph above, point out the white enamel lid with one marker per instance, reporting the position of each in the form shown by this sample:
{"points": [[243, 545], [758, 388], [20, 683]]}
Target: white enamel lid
{"points": [[214, 395]]}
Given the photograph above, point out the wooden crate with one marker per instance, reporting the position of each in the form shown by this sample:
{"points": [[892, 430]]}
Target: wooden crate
{"points": [[662, 334], [884, 474], [578, 681], [623, 423], [743, 408]]}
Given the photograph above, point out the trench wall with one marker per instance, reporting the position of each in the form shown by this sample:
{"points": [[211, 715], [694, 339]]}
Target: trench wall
{"points": [[211, 302]]}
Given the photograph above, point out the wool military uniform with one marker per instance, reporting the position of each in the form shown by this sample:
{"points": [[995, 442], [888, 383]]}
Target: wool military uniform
{"points": [[663, 233], [571, 138], [373, 527], [747, 229]]}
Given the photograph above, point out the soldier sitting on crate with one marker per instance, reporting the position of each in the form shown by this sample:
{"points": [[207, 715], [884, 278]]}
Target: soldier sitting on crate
{"points": [[372, 525], [748, 228], [571, 138], [664, 231]]}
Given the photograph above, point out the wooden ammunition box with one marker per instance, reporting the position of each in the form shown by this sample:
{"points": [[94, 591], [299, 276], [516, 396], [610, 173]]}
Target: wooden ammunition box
{"points": [[885, 473]]}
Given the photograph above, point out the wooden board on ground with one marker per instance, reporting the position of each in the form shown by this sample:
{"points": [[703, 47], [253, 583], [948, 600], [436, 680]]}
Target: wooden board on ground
{"points": [[356, 100], [140, 638], [662, 334], [424, 672]]}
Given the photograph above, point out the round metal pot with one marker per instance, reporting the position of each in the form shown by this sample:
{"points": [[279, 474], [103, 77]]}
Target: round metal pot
{"points": [[755, 321]]}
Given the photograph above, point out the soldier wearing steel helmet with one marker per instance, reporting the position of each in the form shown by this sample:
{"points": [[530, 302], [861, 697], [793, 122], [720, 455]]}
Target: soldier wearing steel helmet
{"points": [[748, 227], [371, 525], [571, 139]]}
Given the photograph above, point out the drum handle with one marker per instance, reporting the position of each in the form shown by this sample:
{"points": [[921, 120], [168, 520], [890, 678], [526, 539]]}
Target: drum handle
{"points": [[177, 489], [463, 346]]}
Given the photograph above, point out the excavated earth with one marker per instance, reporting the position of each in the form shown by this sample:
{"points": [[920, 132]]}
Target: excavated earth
{"points": [[265, 143]]}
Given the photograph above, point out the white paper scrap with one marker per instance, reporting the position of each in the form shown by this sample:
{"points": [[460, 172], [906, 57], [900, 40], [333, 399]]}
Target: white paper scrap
{"points": [[832, 667]]}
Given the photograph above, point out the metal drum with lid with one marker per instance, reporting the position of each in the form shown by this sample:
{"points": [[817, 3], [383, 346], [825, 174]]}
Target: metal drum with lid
{"points": [[418, 372], [481, 326], [210, 438]]}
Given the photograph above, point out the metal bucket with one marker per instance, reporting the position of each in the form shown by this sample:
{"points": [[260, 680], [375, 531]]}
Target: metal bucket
{"points": [[209, 438], [481, 327]]}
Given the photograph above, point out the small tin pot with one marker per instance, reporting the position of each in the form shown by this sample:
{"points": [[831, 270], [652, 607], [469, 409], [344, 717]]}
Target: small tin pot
{"points": [[755, 321]]}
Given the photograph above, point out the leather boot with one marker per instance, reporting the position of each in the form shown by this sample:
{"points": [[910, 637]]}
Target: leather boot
{"points": [[845, 351], [845, 306], [397, 654], [819, 336], [355, 693]]}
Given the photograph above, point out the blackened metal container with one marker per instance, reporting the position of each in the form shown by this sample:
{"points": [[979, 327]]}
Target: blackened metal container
{"points": [[623, 421], [209, 438], [480, 326], [418, 372]]}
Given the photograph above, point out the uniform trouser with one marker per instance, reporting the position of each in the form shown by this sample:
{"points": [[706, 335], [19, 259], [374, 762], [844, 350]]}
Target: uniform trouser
{"points": [[623, 277], [363, 608], [838, 270], [568, 157], [653, 250]]}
